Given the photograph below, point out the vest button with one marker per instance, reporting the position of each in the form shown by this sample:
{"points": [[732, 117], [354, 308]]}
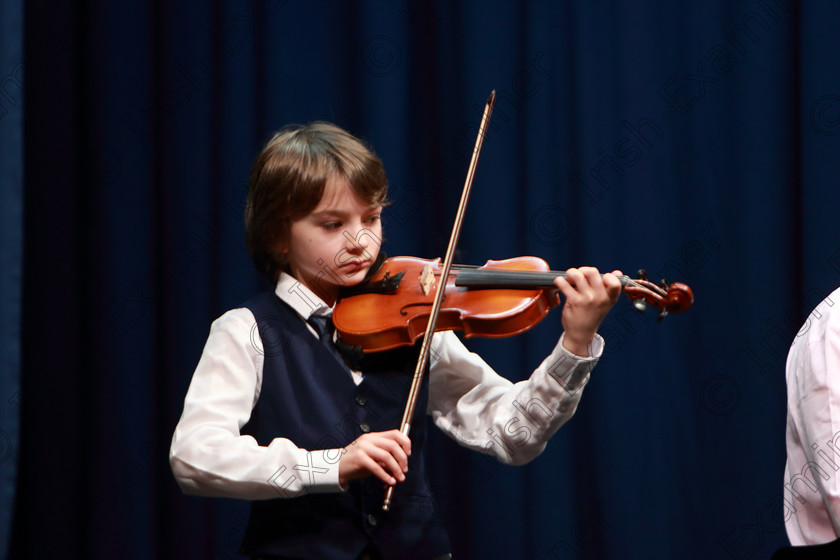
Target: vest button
{"points": [[361, 400], [365, 427], [372, 519]]}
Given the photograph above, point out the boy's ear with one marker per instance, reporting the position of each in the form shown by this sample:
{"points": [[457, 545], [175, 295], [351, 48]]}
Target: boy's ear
{"points": [[282, 237]]}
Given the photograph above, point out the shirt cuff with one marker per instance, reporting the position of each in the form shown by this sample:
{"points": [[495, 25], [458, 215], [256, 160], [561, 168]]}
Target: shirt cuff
{"points": [[570, 370], [596, 347], [316, 472]]}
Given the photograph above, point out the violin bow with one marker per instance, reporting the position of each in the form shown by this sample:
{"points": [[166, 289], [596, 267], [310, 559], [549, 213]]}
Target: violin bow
{"points": [[422, 360]]}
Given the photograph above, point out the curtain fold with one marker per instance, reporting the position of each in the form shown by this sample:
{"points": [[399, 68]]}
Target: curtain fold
{"points": [[11, 254]]}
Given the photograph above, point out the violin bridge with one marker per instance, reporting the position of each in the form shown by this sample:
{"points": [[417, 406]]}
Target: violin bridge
{"points": [[427, 278]]}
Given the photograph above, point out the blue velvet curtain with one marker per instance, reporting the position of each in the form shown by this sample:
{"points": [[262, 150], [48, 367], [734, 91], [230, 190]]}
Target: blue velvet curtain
{"points": [[698, 140], [11, 253]]}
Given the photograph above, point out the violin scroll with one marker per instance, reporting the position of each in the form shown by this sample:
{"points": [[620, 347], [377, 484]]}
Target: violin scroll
{"points": [[668, 298]]}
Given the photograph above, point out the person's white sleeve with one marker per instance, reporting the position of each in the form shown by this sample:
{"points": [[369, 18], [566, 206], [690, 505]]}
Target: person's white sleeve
{"points": [[812, 484], [484, 411], [209, 456]]}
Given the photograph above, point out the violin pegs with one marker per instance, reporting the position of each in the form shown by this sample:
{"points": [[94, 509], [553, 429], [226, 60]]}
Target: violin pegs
{"points": [[643, 274], [664, 284], [662, 314], [640, 305]]}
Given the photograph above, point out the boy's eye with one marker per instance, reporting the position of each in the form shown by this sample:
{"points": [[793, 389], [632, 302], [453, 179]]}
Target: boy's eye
{"points": [[373, 219], [331, 225]]}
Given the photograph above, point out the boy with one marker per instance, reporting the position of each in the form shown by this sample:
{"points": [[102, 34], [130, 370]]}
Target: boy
{"points": [[273, 415]]}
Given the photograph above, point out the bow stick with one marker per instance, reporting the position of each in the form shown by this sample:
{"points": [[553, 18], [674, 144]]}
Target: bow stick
{"points": [[422, 360]]}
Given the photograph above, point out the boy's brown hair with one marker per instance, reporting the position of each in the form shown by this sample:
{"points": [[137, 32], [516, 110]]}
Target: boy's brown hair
{"points": [[287, 182]]}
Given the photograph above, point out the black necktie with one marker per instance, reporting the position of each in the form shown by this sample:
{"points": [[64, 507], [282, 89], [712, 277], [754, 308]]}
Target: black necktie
{"points": [[323, 325], [347, 355]]}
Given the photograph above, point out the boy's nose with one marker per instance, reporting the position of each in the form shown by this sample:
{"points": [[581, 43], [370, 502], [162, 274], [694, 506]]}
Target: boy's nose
{"points": [[362, 240], [356, 241]]}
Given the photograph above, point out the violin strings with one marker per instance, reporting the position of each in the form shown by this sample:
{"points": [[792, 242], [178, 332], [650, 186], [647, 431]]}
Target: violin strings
{"points": [[625, 280]]}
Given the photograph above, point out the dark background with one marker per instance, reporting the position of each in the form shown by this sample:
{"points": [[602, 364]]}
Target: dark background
{"points": [[696, 139]]}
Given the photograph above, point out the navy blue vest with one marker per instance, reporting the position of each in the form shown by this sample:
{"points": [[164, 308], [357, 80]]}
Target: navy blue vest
{"points": [[309, 397]]}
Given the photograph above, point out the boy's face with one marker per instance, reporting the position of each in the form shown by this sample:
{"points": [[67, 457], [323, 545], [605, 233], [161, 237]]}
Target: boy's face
{"points": [[335, 245]]}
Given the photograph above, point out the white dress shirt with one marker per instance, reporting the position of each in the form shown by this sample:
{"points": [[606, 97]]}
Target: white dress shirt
{"points": [[467, 400], [812, 473]]}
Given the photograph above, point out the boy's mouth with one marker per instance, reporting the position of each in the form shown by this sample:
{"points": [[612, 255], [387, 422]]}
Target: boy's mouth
{"points": [[356, 265]]}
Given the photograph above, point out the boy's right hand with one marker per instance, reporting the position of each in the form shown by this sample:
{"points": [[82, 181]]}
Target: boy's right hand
{"points": [[381, 454]]}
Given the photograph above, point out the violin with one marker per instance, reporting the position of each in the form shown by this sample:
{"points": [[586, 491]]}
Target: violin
{"points": [[499, 299]]}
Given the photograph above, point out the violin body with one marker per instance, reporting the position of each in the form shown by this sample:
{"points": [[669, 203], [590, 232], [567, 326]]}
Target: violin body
{"points": [[382, 320]]}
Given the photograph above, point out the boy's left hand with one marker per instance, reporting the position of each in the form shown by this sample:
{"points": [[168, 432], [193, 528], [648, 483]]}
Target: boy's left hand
{"points": [[589, 296]]}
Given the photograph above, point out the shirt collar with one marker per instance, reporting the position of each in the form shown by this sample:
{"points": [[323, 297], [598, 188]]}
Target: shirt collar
{"points": [[299, 297]]}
